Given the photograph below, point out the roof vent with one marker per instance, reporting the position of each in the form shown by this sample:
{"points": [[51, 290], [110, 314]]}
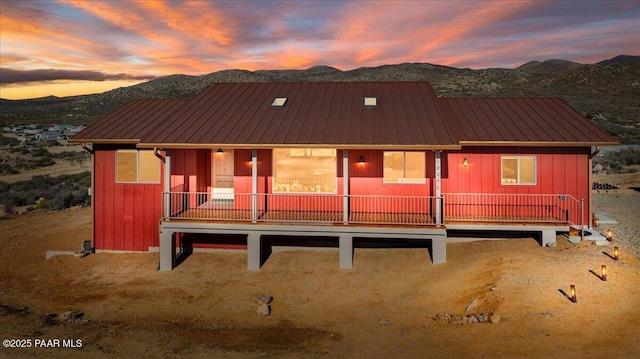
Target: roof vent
{"points": [[370, 102], [279, 102]]}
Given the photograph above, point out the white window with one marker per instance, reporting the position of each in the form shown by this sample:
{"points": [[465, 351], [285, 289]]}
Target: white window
{"points": [[137, 166], [305, 170], [518, 170], [404, 167]]}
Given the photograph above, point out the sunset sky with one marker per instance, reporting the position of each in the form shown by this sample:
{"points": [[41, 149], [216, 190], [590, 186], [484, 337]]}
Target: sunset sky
{"points": [[70, 47]]}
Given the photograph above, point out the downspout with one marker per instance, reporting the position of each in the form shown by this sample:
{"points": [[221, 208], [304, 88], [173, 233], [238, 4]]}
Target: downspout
{"points": [[84, 147], [590, 186], [91, 195], [155, 152]]}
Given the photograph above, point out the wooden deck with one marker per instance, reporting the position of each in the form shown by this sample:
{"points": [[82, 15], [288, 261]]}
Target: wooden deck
{"points": [[281, 216], [523, 220]]}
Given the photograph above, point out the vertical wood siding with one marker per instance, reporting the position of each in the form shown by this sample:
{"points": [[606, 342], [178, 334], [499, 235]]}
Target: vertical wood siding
{"points": [[126, 215], [559, 171]]}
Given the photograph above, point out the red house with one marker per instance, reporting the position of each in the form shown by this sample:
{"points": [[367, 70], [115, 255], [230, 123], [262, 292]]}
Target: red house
{"points": [[241, 162]]}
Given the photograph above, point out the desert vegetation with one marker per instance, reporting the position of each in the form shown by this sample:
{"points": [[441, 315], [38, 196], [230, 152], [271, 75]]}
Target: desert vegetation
{"points": [[626, 160], [46, 192]]}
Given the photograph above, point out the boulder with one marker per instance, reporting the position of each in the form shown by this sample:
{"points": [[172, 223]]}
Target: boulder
{"points": [[264, 309]]}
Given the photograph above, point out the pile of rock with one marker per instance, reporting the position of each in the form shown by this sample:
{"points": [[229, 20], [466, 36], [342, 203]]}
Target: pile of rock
{"points": [[467, 319]]}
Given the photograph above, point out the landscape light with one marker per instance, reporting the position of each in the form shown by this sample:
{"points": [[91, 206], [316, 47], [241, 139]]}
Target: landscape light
{"points": [[573, 293], [616, 254], [604, 273], [609, 234]]}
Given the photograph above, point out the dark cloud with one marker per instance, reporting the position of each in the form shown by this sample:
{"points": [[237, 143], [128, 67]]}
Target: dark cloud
{"points": [[12, 76]]}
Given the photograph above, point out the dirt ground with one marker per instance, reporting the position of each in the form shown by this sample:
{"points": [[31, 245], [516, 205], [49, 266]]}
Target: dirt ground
{"points": [[121, 306]]}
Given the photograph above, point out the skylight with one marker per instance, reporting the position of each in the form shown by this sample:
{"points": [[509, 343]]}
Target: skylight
{"points": [[371, 102], [279, 102]]}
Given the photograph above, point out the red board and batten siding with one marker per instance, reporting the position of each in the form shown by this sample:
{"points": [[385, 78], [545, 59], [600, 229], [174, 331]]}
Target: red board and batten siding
{"points": [[560, 170], [126, 214]]}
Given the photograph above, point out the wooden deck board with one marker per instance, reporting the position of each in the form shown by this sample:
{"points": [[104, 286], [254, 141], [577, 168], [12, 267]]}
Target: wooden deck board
{"points": [[221, 214]]}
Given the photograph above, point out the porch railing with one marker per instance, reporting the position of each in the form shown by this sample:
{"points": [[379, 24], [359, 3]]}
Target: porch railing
{"points": [[524, 208], [362, 209], [301, 208]]}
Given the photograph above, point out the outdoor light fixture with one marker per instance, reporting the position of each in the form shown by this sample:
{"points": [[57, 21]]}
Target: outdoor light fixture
{"points": [[361, 160], [573, 293], [465, 163], [219, 150], [616, 254], [609, 234], [604, 273]]}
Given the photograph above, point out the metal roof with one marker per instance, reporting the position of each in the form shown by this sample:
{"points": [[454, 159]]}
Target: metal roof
{"points": [[129, 122], [521, 121], [318, 114], [408, 115]]}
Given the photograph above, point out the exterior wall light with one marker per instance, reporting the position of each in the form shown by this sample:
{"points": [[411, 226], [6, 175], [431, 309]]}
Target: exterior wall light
{"points": [[603, 276], [361, 160], [219, 150], [572, 289], [616, 254], [465, 162]]}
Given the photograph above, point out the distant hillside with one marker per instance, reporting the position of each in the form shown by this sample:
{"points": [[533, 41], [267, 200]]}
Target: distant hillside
{"points": [[620, 59], [606, 92], [548, 67]]}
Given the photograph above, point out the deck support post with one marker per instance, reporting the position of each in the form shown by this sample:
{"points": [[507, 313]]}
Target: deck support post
{"points": [[345, 189], [167, 184], [167, 250], [439, 251], [346, 251], [438, 189], [254, 248], [549, 236], [254, 185]]}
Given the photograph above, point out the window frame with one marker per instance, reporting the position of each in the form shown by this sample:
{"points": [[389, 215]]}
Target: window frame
{"points": [[518, 170], [404, 169], [303, 152], [137, 167]]}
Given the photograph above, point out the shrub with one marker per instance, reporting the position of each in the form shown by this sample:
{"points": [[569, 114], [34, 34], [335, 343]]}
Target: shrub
{"points": [[60, 192], [616, 161]]}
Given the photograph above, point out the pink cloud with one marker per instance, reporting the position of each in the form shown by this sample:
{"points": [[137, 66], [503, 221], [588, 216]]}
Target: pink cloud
{"points": [[147, 38]]}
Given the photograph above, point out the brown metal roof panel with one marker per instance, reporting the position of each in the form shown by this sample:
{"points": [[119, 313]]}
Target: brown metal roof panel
{"points": [[542, 122], [586, 128], [521, 120], [316, 113], [131, 121], [333, 131], [233, 114], [437, 124]]}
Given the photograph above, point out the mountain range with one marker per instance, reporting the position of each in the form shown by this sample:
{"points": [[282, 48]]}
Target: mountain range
{"points": [[607, 92]]}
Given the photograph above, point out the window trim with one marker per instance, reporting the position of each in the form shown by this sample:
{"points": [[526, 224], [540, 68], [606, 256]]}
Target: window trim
{"points": [[308, 152], [137, 181], [404, 169], [518, 181]]}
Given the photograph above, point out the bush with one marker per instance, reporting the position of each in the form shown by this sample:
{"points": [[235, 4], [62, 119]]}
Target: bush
{"points": [[8, 208], [616, 161], [59, 192]]}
